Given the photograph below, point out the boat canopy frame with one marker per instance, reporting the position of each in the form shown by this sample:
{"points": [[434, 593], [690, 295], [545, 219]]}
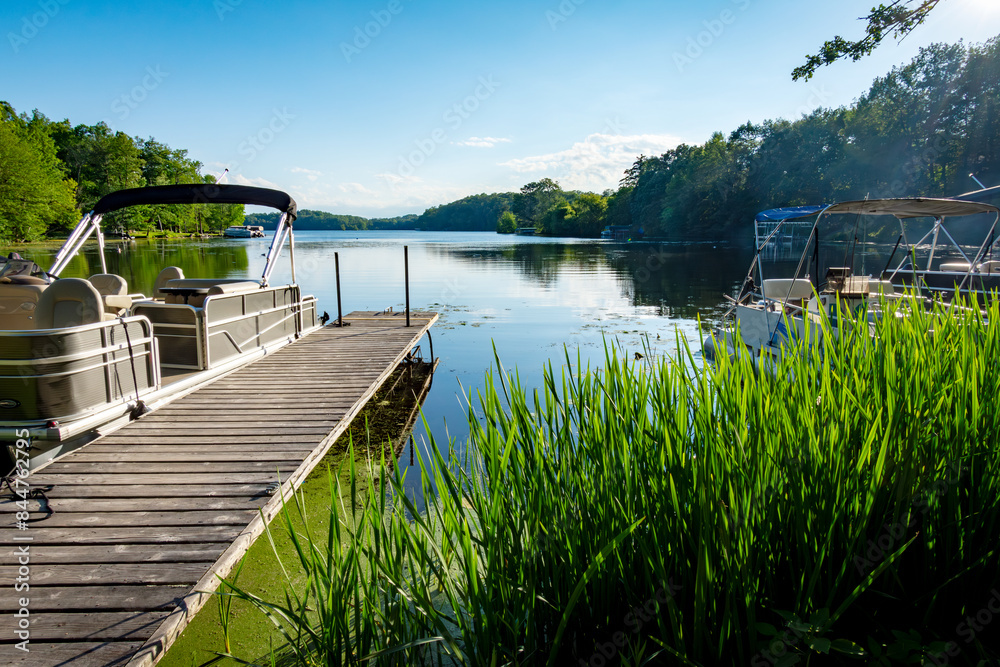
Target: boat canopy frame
{"points": [[194, 193], [901, 208]]}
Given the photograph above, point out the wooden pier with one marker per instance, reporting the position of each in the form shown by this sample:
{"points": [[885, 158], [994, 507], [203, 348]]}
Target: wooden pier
{"points": [[143, 520]]}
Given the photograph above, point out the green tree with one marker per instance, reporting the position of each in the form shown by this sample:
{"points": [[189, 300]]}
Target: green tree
{"points": [[507, 223], [34, 194], [557, 221], [121, 169], [591, 210], [535, 199]]}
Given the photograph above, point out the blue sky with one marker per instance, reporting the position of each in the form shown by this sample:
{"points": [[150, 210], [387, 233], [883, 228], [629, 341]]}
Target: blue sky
{"points": [[385, 107]]}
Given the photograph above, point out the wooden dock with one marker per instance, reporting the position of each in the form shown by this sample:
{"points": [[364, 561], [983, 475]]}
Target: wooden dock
{"points": [[145, 518]]}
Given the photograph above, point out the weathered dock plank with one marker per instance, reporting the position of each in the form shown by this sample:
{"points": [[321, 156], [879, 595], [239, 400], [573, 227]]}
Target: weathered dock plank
{"points": [[83, 654], [136, 527], [93, 626], [118, 553], [103, 597]]}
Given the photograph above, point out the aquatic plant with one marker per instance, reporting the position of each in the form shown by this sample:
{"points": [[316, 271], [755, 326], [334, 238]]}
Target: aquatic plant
{"points": [[841, 504]]}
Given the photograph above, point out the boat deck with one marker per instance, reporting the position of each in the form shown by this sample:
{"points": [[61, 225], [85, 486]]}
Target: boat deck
{"points": [[143, 519]]}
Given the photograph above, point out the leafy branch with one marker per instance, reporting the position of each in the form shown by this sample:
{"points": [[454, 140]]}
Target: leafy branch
{"points": [[897, 20]]}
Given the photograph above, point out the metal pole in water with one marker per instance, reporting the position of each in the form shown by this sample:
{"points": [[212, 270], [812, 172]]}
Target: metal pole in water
{"points": [[336, 270], [406, 279]]}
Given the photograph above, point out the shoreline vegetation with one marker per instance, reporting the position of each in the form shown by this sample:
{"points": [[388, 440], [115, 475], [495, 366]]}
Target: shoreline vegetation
{"points": [[918, 131], [843, 508], [380, 429]]}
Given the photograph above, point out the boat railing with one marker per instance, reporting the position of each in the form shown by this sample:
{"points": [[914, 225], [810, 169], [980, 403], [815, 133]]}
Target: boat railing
{"points": [[231, 321], [51, 376]]}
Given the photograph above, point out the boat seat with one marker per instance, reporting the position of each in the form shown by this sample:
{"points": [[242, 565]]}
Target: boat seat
{"points": [[787, 288], [114, 292], [883, 287], [19, 297], [69, 302], [955, 267], [164, 277], [107, 284], [992, 266]]}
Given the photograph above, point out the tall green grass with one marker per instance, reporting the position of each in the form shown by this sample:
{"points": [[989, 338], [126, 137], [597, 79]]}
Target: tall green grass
{"points": [[840, 506]]}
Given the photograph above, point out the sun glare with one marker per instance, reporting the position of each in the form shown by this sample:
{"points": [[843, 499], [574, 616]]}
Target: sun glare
{"points": [[980, 8]]}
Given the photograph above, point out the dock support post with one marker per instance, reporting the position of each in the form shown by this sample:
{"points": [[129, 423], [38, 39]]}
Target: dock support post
{"points": [[406, 279], [336, 270]]}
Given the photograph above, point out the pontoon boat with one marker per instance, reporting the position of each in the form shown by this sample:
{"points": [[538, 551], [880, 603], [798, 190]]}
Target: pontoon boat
{"points": [[772, 309], [80, 358]]}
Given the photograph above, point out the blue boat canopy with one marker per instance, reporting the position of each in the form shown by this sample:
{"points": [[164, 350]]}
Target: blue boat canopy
{"points": [[788, 213]]}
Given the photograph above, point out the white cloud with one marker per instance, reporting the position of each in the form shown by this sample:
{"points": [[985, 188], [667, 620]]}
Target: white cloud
{"points": [[596, 163], [355, 188], [311, 174], [482, 142], [240, 179], [390, 195]]}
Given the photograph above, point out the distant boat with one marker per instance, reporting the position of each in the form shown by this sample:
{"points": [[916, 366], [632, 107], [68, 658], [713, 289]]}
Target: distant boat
{"points": [[616, 232], [525, 231], [244, 232]]}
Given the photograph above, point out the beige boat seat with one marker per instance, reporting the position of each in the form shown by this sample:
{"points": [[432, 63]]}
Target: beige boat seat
{"points": [[164, 277], [68, 302], [992, 266], [19, 297], [787, 288], [955, 267], [114, 291], [884, 287]]}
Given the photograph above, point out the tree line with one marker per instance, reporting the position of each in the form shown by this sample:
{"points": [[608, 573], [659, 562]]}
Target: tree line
{"points": [[321, 220], [542, 205], [52, 172], [918, 131]]}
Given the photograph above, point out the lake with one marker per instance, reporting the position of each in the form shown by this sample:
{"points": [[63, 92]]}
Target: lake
{"points": [[527, 296]]}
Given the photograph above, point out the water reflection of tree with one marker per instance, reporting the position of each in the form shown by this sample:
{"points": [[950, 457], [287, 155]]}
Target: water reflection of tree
{"points": [[139, 262], [678, 280], [682, 281], [541, 262]]}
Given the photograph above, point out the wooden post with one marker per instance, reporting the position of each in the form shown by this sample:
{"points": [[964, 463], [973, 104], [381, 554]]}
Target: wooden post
{"points": [[336, 270], [406, 279]]}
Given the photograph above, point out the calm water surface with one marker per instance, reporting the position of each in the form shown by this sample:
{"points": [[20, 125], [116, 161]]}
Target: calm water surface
{"points": [[528, 296]]}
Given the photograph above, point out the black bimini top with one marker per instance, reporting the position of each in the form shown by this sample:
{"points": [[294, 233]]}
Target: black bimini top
{"points": [[201, 193]]}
